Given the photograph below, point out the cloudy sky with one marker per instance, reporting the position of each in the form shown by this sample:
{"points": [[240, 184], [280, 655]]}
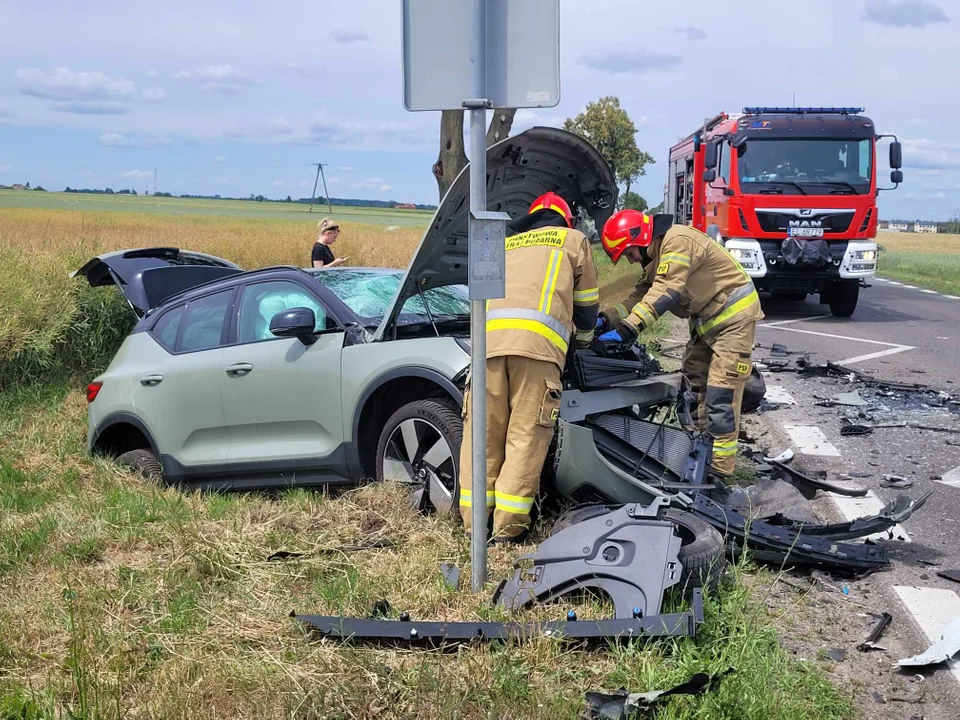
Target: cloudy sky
{"points": [[240, 97]]}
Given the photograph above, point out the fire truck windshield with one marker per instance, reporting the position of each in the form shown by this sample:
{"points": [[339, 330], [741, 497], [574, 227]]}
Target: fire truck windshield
{"points": [[788, 165]]}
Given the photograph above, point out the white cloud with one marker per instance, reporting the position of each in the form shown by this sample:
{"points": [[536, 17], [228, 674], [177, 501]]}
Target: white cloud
{"points": [[277, 183], [304, 71], [346, 35], [904, 13], [154, 95], [137, 174], [304, 183], [342, 168], [84, 93], [224, 79], [931, 154], [220, 158], [5, 168], [116, 140], [628, 59], [90, 107], [692, 33], [5, 112], [374, 184]]}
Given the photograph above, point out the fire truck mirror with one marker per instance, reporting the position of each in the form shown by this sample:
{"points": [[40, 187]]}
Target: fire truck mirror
{"points": [[896, 177], [710, 158], [709, 176], [896, 156]]}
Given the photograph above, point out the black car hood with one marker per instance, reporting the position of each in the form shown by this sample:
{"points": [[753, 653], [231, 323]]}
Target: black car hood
{"points": [[148, 276], [519, 170]]}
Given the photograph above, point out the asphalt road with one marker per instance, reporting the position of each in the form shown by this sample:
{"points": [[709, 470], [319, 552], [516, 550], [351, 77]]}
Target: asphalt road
{"points": [[898, 333]]}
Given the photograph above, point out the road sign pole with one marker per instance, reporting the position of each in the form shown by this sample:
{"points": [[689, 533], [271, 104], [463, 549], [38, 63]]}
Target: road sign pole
{"points": [[478, 312]]}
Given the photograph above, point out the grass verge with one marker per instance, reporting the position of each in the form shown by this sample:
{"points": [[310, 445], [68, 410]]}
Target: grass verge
{"points": [[930, 261], [122, 599]]}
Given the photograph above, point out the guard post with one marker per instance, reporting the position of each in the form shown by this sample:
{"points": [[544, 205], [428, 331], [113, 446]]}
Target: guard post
{"points": [[475, 55]]}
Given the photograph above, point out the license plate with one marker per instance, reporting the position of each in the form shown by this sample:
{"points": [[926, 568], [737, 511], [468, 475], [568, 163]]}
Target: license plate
{"points": [[805, 232]]}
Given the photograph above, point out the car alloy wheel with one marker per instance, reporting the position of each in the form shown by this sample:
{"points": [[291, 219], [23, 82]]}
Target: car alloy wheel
{"points": [[420, 447]]}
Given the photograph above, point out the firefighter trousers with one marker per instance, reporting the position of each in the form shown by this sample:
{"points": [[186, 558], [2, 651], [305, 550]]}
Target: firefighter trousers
{"points": [[523, 404], [718, 368]]}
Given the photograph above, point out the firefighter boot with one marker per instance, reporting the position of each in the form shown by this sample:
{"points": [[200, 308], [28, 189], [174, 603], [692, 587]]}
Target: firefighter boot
{"points": [[534, 402], [730, 366], [497, 414]]}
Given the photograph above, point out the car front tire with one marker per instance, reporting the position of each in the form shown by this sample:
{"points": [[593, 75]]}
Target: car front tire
{"points": [[420, 446], [142, 462]]}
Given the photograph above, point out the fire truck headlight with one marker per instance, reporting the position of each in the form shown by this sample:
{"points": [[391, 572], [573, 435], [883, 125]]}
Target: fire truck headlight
{"points": [[746, 257], [865, 255]]}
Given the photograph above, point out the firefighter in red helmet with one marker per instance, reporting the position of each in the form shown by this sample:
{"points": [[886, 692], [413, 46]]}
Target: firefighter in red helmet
{"points": [[691, 275], [551, 300]]}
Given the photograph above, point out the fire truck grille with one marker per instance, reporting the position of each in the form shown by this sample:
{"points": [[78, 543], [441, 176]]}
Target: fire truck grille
{"points": [[833, 223]]}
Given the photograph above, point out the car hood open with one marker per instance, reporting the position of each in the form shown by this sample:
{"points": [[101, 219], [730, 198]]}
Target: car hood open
{"points": [[519, 170], [148, 276]]}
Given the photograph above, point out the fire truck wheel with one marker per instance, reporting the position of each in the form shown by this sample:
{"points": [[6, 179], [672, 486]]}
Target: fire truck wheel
{"points": [[843, 298]]}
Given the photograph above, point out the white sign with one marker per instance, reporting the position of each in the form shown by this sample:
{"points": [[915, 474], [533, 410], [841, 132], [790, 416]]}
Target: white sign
{"points": [[522, 50]]}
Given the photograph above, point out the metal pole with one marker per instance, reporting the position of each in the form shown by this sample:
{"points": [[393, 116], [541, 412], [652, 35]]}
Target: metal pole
{"points": [[478, 324], [325, 193], [313, 195]]}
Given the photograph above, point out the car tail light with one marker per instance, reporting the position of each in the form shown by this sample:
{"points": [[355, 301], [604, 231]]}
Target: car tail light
{"points": [[92, 390]]}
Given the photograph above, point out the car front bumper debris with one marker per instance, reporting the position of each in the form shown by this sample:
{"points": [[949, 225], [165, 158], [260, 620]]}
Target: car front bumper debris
{"points": [[438, 634]]}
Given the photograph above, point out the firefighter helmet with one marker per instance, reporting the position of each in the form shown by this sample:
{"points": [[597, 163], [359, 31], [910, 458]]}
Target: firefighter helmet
{"points": [[552, 201], [626, 228]]}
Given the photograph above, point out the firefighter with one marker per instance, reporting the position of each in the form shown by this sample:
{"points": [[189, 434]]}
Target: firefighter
{"points": [[551, 300], [691, 275]]}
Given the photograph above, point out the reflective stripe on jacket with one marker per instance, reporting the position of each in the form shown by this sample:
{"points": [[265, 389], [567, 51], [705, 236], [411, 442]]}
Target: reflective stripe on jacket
{"points": [[552, 296], [692, 276]]}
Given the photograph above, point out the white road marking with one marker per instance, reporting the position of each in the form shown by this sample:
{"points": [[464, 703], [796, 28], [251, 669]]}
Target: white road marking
{"points": [[895, 283], [777, 394], [929, 292], [951, 478], [872, 356], [856, 507], [778, 323], [894, 348], [952, 297], [811, 441], [910, 287], [933, 609]]}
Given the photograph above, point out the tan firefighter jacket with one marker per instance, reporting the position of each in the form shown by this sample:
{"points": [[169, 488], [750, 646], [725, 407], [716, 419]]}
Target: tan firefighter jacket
{"points": [[692, 276], [551, 299]]}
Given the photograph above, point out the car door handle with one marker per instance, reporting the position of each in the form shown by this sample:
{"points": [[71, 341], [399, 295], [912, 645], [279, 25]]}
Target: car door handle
{"points": [[151, 380], [239, 369]]}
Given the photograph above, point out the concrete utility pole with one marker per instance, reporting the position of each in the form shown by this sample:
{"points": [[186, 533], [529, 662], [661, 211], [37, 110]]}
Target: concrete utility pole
{"points": [[326, 194]]}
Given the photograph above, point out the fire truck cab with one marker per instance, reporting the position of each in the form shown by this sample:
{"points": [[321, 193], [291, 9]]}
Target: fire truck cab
{"points": [[791, 193]]}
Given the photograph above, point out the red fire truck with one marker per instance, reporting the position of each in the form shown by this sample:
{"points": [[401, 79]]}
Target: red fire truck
{"points": [[791, 193]]}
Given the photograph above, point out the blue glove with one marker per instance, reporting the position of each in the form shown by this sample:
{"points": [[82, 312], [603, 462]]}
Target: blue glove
{"points": [[612, 336], [599, 321]]}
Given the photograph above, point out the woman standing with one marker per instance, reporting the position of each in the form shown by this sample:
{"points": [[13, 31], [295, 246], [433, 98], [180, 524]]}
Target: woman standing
{"points": [[322, 255]]}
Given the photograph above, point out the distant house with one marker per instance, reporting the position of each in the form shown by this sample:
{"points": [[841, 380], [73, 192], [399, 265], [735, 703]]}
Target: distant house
{"points": [[899, 226], [18, 186], [406, 206], [921, 226]]}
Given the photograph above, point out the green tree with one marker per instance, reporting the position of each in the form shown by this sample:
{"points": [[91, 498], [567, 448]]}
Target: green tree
{"points": [[608, 127], [633, 201]]}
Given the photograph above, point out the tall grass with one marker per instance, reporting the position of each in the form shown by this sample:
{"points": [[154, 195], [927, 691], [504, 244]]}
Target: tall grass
{"points": [[53, 325], [931, 261]]}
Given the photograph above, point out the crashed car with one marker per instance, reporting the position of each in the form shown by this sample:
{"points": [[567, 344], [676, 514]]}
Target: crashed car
{"points": [[283, 376]]}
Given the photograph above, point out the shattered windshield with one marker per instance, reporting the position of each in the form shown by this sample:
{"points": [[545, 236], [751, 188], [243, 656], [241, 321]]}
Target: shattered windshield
{"points": [[786, 166], [369, 295]]}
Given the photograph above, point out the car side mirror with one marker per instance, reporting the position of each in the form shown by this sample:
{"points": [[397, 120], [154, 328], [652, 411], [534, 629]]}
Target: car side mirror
{"points": [[896, 156], [896, 177], [298, 322], [709, 176]]}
